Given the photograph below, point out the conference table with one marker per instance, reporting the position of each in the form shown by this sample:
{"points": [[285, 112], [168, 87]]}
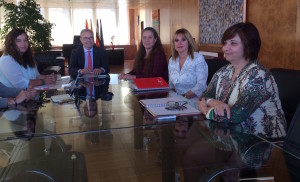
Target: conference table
{"points": [[111, 137]]}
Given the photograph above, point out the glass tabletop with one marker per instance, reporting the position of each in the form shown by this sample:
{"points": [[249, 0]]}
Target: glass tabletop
{"points": [[104, 134], [110, 106], [185, 150]]}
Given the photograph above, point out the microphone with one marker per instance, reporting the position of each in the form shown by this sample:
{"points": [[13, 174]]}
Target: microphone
{"points": [[75, 83]]}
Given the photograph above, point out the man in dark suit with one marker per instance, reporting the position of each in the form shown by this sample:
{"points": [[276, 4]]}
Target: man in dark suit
{"points": [[91, 91], [88, 58]]}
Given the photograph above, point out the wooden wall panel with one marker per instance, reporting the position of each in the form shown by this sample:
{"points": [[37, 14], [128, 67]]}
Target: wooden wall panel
{"points": [[132, 23], [129, 51], [164, 8], [276, 21], [137, 27], [297, 56], [185, 14], [145, 13], [190, 17], [174, 14]]}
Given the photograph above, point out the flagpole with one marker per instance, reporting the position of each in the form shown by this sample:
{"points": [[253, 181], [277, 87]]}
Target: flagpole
{"points": [[86, 24], [101, 35]]}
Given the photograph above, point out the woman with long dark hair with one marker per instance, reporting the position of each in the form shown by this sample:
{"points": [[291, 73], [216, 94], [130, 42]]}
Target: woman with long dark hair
{"points": [[150, 60], [17, 65]]}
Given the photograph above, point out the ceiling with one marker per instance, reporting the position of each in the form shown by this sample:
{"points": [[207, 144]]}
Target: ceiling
{"points": [[131, 4]]}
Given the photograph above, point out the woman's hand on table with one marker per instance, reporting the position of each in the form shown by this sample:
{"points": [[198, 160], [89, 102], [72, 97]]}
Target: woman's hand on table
{"points": [[31, 94], [50, 79], [202, 106], [189, 94], [124, 76], [220, 108]]}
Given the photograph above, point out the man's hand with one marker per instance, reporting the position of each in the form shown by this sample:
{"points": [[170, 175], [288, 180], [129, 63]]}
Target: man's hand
{"points": [[84, 71], [97, 71]]}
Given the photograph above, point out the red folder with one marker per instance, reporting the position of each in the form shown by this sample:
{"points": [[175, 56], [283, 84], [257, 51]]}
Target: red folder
{"points": [[154, 83]]}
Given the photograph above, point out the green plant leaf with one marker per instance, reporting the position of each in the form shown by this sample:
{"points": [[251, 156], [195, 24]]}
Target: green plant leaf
{"points": [[27, 15]]}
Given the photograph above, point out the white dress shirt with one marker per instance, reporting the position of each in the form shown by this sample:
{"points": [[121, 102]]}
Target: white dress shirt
{"points": [[192, 76], [13, 75]]}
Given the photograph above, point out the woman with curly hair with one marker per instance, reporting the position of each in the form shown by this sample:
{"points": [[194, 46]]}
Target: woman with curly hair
{"points": [[150, 60], [17, 66]]}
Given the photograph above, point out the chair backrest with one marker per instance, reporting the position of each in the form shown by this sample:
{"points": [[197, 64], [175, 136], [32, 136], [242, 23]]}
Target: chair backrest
{"points": [[288, 83], [67, 50], [292, 140], [292, 146], [76, 41], [213, 66]]}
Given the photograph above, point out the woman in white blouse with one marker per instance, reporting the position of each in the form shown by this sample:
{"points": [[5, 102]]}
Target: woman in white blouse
{"points": [[187, 69], [17, 66]]}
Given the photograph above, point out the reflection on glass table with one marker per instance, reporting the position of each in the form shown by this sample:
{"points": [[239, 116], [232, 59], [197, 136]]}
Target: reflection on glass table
{"points": [[188, 149], [114, 139]]}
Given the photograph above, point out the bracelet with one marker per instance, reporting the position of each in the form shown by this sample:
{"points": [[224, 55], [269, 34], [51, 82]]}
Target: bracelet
{"points": [[15, 102], [43, 81], [207, 101]]}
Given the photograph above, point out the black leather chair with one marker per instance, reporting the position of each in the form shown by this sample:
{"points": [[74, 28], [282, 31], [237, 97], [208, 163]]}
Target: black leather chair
{"points": [[57, 162], [288, 82], [76, 41], [213, 66], [292, 139], [292, 146], [67, 50], [48, 59]]}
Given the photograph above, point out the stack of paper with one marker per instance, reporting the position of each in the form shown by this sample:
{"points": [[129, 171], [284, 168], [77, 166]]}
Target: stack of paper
{"points": [[157, 107], [61, 98], [60, 84]]}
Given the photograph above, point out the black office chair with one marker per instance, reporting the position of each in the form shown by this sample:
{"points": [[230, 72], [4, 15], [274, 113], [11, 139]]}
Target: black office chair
{"points": [[76, 41], [288, 83], [55, 163], [69, 166], [252, 156], [292, 147], [50, 63], [213, 66], [292, 139], [67, 50]]}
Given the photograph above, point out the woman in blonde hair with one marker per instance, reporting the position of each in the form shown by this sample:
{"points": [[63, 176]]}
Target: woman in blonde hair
{"points": [[187, 68]]}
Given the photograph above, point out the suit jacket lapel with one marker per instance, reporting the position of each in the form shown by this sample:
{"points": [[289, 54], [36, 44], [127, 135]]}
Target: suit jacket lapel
{"points": [[96, 56], [82, 57]]}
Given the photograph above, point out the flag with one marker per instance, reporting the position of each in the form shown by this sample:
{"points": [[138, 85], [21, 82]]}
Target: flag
{"points": [[101, 35], [97, 35], [86, 24], [91, 24]]}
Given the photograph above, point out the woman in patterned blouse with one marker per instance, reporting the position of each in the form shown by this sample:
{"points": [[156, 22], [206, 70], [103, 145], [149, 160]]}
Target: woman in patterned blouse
{"points": [[244, 92], [187, 69]]}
